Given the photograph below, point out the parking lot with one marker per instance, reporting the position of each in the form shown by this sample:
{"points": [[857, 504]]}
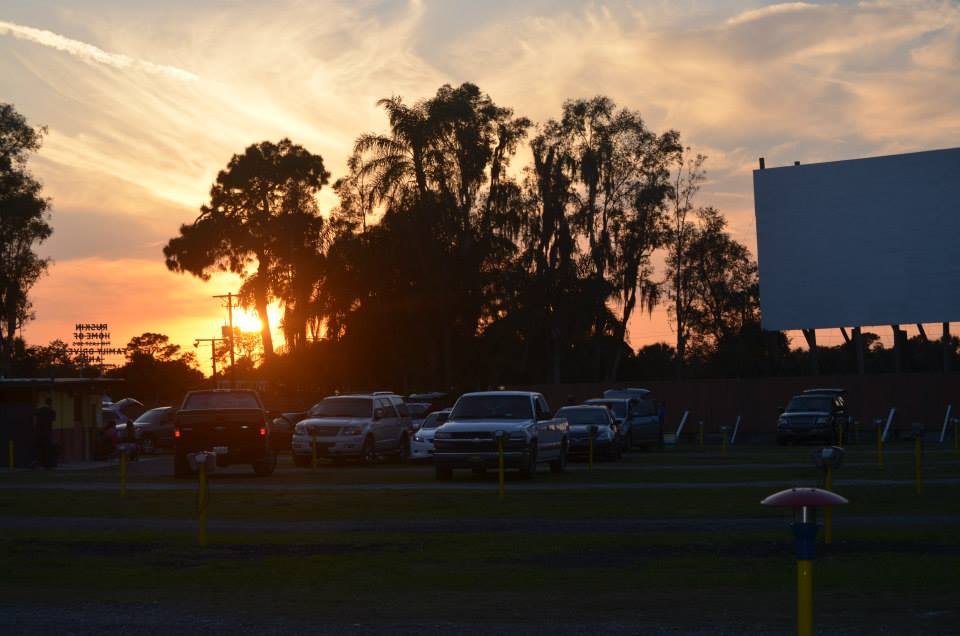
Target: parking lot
{"points": [[674, 537]]}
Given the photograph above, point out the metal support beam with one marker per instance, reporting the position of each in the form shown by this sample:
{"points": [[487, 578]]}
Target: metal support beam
{"points": [[858, 345], [846, 336], [947, 345], [923, 334], [811, 336], [897, 348]]}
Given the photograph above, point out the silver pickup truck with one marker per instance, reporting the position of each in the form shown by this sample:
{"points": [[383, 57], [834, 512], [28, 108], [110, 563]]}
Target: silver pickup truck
{"points": [[521, 420]]}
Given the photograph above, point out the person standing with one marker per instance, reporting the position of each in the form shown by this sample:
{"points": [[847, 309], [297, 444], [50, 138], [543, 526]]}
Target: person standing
{"points": [[43, 418]]}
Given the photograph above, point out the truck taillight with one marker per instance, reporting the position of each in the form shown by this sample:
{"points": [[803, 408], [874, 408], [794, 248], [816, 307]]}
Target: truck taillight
{"points": [[263, 431]]}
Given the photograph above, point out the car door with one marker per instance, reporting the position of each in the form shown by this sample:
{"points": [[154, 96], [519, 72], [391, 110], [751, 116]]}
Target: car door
{"points": [[387, 428], [549, 435]]}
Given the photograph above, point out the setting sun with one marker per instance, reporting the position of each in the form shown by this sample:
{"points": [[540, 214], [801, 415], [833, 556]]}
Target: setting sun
{"points": [[246, 321]]}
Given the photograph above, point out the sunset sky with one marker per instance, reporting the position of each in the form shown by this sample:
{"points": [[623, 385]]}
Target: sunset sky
{"points": [[146, 101]]}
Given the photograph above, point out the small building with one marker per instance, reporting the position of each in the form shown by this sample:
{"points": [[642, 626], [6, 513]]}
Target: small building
{"points": [[77, 402]]}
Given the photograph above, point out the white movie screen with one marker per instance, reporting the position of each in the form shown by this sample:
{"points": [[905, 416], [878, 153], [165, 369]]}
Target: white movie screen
{"points": [[865, 242]]}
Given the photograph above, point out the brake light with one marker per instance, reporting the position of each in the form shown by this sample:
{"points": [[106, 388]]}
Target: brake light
{"points": [[263, 431], [176, 432]]}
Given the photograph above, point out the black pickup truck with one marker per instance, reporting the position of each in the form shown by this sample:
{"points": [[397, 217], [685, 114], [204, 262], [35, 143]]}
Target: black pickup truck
{"points": [[232, 424]]}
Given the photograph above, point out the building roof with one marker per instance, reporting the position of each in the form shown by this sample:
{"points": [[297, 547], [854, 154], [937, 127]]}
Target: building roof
{"points": [[59, 383]]}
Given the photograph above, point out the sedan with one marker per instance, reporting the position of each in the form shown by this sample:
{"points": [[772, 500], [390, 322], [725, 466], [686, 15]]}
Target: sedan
{"points": [[422, 445]]}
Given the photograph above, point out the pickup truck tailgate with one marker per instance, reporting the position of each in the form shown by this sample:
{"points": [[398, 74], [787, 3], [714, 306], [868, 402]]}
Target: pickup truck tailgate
{"points": [[231, 428]]}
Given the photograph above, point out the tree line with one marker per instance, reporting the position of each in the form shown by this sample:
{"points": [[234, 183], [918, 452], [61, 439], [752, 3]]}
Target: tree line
{"points": [[445, 265]]}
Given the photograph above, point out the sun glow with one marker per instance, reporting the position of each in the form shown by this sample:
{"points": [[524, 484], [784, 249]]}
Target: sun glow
{"points": [[246, 321]]}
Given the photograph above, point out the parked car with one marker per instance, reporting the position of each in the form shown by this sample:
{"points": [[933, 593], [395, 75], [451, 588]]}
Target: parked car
{"points": [[281, 430], [362, 427], [627, 393], [638, 420], [815, 416], [231, 423], [597, 421], [422, 445], [418, 412], [152, 431], [523, 421]]}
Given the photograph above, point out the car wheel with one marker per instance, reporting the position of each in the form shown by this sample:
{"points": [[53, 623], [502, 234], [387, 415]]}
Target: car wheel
{"points": [[443, 473], [560, 464], [148, 445], [266, 466], [368, 454], [529, 471], [181, 468]]}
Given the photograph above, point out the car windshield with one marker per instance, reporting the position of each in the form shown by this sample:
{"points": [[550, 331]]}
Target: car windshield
{"points": [[153, 416], [343, 407], [644, 408], [210, 400], [493, 407], [434, 420], [809, 403], [583, 417], [619, 407]]}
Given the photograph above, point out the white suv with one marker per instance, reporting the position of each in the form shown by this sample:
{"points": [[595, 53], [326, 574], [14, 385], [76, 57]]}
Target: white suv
{"points": [[363, 427]]}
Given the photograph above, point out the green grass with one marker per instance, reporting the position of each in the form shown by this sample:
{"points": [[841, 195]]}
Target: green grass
{"points": [[902, 576]]}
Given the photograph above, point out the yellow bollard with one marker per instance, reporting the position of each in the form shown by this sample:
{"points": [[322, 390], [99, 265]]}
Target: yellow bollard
{"points": [[500, 465], [202, 505], [123, 473], [804, 598], [828, 513], [879, 446], [10, 455], [313, 446], [840, 435], [700, 433], [918, 463]]}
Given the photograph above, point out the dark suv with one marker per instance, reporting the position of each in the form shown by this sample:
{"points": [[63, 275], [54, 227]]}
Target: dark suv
{"points": [[814, 415]]}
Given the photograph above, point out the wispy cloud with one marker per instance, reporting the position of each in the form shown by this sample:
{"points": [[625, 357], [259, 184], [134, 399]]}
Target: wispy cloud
{"points": [[90, 53], [773, 9]]}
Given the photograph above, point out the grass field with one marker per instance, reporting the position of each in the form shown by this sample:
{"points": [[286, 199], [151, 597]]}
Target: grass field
{"points": [[668, 542]]}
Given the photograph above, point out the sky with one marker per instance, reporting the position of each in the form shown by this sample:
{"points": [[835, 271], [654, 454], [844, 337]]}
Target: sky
{"points": [[145, 102]]}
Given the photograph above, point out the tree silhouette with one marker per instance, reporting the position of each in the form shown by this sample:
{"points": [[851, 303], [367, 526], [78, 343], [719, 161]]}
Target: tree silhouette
{"points": [[24, 223], [261, 218]]}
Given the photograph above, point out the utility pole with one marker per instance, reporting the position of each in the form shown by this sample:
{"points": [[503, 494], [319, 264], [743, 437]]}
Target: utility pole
{"points": [[230, 298], [213, 353]]}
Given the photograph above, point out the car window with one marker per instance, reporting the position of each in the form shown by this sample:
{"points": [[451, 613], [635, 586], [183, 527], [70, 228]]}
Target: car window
{"points": [[221, 400], [584, 417], [434, 420], [644, 408], [387, 406], [543, 411], [809, 403], [499, 407], [342, 407], [619, 407], [154, 416]]}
